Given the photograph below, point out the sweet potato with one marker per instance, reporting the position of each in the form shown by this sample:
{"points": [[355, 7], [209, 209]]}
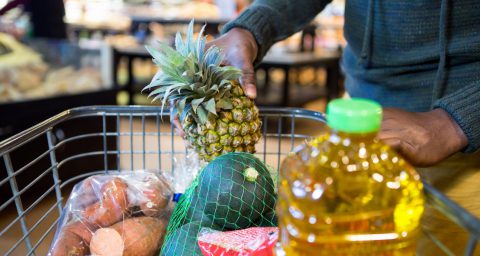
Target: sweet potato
{"points": [[73, 240], [112, 207], [156, 201], [69, 245], [84, 194], [107, 242], [81, 229], [142, 236], [148, 193]]}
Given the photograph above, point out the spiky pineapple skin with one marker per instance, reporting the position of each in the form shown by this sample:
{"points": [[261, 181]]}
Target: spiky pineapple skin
{"points": [[233, 130]]}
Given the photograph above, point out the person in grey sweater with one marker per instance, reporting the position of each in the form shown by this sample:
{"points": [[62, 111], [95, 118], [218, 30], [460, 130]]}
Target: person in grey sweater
{"points": [[419, 59]]}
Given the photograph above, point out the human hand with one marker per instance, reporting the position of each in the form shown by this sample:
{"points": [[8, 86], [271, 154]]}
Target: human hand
{"points": [[240, 50], [425, 138]]}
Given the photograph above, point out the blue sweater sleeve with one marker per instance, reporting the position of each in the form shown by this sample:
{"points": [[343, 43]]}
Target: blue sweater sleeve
{"points": [[464, 107], [273, 20]]}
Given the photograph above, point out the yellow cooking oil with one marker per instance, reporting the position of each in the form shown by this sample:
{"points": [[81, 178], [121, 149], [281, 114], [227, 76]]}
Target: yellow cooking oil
{"points": [[346, 193]]}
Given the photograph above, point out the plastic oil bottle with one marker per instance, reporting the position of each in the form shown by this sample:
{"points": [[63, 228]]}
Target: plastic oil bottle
{"points": [[346, 193]]}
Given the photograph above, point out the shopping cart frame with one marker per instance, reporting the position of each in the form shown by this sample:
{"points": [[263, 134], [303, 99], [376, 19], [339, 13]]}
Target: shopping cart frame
{"points": [[285, 117]]}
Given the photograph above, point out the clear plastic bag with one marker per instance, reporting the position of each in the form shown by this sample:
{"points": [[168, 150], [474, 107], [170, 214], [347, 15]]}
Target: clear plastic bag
{"points": [[186, 169], [257, 241], [115, 214]]}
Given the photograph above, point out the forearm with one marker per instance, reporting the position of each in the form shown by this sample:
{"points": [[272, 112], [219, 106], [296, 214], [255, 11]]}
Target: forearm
{"points": [[273, 20], [11, 5], [464, 107]]}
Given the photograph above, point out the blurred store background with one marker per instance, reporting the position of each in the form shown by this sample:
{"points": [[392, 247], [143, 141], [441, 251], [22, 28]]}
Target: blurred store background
{"points": [[58, 54]]}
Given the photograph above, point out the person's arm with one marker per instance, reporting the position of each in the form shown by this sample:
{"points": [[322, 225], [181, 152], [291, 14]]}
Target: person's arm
{"points": [[464, 107], [11, 5], [427, 138], [246, 39], [273, 20]]}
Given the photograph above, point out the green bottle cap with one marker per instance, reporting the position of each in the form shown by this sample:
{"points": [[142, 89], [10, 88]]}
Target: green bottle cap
{"points": [[354, 115]]}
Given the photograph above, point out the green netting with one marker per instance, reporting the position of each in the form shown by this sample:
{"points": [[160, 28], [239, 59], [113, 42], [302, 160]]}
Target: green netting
{"points": [[234, 191]]}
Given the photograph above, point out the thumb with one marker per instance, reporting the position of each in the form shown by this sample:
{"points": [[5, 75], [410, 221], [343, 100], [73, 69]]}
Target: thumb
{"points": [[248, 82]]}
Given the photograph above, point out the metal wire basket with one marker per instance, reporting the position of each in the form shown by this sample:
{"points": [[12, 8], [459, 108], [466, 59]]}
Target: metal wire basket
{"points": [[42, 163]]}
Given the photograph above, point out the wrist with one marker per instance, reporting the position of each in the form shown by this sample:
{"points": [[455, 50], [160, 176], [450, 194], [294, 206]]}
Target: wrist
{"points": [[451, 131]]}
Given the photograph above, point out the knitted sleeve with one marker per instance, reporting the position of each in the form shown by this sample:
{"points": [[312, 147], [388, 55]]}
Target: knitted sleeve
{"points": [[273, 20], [464, 107]]}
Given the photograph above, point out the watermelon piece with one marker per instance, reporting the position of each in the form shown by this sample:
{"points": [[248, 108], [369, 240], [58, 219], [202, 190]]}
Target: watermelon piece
{"points": [[256, 241], [236, 191]]}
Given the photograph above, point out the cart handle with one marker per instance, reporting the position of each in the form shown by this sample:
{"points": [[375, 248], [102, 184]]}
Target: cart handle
{"points": [[21, 138]]}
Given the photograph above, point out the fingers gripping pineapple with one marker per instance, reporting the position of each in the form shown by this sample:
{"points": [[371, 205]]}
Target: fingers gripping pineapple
{"points": [[214, 112]]}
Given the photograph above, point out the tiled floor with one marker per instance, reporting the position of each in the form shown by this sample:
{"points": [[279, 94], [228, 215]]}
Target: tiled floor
{"points": [[14, 234]]}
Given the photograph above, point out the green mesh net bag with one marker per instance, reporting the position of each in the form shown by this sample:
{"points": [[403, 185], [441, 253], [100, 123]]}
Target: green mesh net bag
{"points": [[234, 191]]}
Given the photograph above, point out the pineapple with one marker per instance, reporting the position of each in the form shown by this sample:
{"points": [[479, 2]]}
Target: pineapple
{"points": [[213, 110]]}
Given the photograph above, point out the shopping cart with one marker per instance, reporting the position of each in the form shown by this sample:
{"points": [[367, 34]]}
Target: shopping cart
{"points": [[84, 141]]}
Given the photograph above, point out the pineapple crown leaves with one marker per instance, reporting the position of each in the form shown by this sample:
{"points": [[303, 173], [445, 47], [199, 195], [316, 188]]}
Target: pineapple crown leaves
{"points": [[191, 76]]}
